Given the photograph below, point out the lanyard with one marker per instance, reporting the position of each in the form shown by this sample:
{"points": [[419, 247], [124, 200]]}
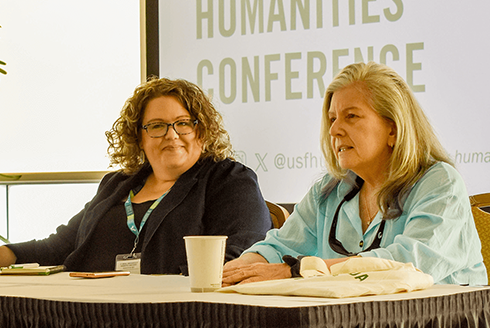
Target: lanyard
{"points": [[334, 243], [130, 216]]}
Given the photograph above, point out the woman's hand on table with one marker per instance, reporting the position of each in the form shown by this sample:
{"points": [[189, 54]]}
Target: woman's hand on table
{"points": [[252, 267]]}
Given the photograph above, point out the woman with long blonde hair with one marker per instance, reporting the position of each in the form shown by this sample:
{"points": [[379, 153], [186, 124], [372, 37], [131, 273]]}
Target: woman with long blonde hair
{"points": [[391, 191]]}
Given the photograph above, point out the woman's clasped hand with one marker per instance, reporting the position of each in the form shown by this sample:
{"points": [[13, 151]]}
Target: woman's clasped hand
{"points": [[251, 267]]}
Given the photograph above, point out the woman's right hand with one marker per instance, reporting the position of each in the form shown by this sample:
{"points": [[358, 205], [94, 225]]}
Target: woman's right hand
{"points": [[245, 259], [252, 267]]}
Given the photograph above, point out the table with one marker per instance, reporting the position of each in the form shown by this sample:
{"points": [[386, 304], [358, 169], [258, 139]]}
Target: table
{"points": [[166, 301]]}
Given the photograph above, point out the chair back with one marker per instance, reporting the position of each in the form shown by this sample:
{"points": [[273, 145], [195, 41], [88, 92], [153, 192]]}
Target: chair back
{"points": [[482, 222], [278, 214]]}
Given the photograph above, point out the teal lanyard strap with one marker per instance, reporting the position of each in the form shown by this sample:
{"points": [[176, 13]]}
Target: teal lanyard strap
{"points": [[130, 216]]}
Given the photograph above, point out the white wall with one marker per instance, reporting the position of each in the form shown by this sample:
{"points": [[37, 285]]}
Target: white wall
{"points": [[35, 211], [70, 67]]}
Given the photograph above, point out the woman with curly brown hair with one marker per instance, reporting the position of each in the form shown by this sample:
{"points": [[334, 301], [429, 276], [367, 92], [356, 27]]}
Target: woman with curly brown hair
{"points": [[177, 178]]}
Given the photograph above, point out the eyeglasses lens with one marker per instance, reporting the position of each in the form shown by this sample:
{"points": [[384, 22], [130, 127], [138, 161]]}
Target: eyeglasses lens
{"points": [[160, 129]]}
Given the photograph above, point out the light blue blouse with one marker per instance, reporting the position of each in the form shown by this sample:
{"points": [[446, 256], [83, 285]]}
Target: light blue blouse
{"points": [[435, 232]]}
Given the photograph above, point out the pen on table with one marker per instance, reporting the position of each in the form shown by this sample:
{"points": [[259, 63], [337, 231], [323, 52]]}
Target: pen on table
{"points": [[24, 266]]}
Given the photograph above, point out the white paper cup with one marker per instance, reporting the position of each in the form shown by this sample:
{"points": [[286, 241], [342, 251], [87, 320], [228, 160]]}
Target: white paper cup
{"points": [[205, 259]]}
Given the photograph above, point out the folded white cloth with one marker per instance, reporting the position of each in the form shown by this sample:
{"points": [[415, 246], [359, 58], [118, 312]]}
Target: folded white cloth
{"points": [[358, 276]]}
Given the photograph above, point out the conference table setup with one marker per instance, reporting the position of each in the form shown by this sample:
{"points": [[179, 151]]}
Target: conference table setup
{"points": [[59, 300], [185, 117]]}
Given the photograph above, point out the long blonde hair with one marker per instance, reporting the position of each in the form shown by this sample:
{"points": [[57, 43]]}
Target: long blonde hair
{"points": [[124, 146], [416, 149]]}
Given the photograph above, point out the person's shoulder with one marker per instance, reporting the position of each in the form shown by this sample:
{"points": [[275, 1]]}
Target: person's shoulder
{"points": [[441, 178], [119, 176], [441, 184], [442, 166], [321, 188], [442, 172], [228, 166], [112, 176]]}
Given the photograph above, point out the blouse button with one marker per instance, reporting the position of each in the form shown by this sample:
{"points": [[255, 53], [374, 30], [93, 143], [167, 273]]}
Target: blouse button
{"points": [[361, 243]]}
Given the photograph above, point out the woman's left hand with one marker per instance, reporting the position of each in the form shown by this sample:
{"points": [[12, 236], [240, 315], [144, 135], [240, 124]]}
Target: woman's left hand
{"points": [[255, 272]]}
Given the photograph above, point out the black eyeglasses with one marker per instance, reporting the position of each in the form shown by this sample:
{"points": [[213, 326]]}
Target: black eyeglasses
{"points": [[160, 129], [334, 243]]}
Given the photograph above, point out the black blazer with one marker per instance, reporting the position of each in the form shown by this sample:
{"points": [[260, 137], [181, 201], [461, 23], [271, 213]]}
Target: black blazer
{"points": [[209, 199]]}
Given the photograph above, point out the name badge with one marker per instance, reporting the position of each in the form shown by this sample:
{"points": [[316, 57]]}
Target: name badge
{"points": [[129, 262]]}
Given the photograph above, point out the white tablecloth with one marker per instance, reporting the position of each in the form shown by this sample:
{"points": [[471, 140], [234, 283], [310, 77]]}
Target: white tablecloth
{"points": [[171, 288], [166, 301]]}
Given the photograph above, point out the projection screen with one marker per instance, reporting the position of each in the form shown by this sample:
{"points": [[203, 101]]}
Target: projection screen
{"points": [[266, 64]]}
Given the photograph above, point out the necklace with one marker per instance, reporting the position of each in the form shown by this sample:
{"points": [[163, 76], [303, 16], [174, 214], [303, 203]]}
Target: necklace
{"points": [[370, 217]]}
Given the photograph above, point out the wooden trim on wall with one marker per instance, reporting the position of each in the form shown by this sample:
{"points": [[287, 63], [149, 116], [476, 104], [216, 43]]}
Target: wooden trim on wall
{"points": [[51, 177]]}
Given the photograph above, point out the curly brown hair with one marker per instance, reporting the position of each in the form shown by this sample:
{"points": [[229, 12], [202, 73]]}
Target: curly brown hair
{"points": [[124, 137]]}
